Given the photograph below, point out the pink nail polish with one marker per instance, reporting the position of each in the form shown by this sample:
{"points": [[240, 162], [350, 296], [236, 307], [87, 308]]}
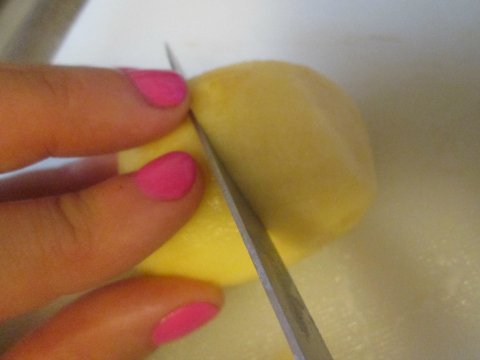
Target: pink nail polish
{"points": [[160, 88], [168, 177], [183, 321]]}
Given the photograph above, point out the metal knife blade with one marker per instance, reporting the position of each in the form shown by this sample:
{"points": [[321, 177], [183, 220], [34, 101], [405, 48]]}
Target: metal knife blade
{"points": [[297, 324]]}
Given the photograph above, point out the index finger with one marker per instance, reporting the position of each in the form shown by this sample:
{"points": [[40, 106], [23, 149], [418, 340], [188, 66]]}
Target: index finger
{"points": [[78, 111]]}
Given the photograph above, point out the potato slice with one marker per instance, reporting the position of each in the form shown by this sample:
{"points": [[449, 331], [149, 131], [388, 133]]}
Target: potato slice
{"points": [[298, 149]]}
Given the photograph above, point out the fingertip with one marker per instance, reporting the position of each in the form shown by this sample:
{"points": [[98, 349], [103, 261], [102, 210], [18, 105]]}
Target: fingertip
{"points": [[182, 321], [85, 238], [168, 177], [139, 314], [80, 111], [160, 88]]}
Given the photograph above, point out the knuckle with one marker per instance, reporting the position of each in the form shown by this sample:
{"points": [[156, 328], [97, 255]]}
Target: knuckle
{"points": [[75, 238], [57, 86], [61, 90]]}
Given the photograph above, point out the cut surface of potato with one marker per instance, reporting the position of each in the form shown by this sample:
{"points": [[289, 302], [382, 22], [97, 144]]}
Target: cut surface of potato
{"points": [[296, 146]]}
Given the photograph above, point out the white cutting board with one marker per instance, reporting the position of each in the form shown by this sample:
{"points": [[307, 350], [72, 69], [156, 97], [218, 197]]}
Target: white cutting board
{"points": [[405, 284]]}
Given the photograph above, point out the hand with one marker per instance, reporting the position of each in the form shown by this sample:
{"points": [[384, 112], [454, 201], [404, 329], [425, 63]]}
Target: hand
{"points": [[68, 230]]}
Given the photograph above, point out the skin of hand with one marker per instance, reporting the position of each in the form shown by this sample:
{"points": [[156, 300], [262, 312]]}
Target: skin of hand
{"points": [[72, 229]]}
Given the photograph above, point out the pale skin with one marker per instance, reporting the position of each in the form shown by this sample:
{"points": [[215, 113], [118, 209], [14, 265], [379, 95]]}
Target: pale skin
{"points": [[73, 229]]}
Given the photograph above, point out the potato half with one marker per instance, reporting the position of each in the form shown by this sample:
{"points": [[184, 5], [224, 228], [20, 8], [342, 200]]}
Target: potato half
{"points": [[297, 147]]}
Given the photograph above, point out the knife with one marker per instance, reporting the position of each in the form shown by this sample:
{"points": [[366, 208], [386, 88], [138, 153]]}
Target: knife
{"points": [[297, 324]]}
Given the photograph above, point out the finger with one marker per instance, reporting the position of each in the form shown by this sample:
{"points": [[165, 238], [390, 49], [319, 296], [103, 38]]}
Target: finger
{"points": [[67, 178], [60, 111], [126, 320], [61, 245]]}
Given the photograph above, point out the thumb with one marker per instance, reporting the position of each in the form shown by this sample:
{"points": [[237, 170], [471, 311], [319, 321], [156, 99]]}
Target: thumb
{"points": [[126, 320]]}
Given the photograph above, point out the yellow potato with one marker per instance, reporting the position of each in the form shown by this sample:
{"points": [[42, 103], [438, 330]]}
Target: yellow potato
{"points": [[296, 146]]}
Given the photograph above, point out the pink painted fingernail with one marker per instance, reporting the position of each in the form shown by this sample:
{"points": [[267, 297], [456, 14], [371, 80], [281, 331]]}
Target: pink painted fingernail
{"points": [[183, 321], [160, 88], [168, 177]]}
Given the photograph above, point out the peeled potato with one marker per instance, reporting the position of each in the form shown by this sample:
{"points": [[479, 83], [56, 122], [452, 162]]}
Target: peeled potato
{"points": [[297, 148]]}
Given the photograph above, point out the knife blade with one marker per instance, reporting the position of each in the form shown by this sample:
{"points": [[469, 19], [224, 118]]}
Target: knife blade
{"points": [[300, 330]]}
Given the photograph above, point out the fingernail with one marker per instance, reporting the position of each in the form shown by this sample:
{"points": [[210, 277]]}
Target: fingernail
{"points": [[183, 321], [158, 87], [168, 177]]}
